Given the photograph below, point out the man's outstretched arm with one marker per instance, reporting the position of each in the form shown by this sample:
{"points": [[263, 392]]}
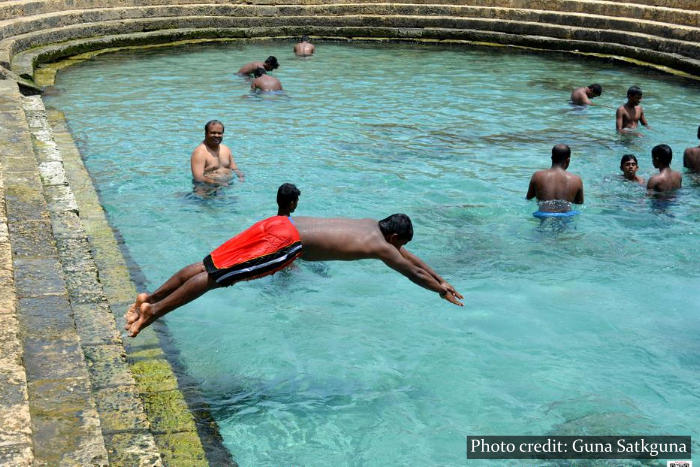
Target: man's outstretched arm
{"points": [[426, 278], [423, 265]]}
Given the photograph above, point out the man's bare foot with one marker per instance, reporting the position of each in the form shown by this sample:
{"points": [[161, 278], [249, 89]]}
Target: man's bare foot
{"points": [[132, 314], [145, 317]]}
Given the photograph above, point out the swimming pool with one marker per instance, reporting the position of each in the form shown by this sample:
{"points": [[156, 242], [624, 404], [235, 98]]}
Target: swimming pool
{"points": [[586, 327]]}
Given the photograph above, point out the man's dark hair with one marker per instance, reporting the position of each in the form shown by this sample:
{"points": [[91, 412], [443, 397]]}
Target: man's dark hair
{"points": [[212, 122], [259, 71], [596, 88], [271, 61], [560, 153], [663, 153], [287, 193], [698, 132], [628, 157], [399, 224], [634, 91]]}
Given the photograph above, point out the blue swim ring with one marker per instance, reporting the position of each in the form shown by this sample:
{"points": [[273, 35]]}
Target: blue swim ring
{"points": [[545, 214]]}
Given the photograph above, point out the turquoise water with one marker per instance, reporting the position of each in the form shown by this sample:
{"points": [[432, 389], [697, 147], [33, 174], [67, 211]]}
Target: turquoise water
{"points": [[586, 327]]}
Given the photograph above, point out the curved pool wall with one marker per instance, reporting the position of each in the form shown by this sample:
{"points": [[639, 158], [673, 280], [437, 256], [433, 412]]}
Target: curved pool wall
{"points": [[68, 394], [657, 32]]}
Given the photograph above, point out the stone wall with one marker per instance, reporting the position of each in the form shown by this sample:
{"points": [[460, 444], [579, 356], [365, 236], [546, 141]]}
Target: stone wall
{"points": [[659, 32]]}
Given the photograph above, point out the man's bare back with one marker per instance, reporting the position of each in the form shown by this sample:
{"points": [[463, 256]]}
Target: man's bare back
{"points": [[304, 49], [266, 83], [667, 179], [583, 95], [691, 157], [340, 239], [556, 184]]}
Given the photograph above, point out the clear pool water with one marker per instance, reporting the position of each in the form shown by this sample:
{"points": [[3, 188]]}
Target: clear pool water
{"points": [[589, 327]]}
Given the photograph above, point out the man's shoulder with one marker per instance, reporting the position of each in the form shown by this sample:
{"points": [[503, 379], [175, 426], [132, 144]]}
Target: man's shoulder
{"points": [[201, 149]]}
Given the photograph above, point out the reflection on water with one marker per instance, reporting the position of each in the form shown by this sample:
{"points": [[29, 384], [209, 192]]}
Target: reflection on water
{"points": [[349, 363]]}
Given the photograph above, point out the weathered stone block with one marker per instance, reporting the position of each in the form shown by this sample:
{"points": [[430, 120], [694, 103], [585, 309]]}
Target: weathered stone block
{"points": [[52, 173], [168, 412], [181, 449], [66, 427], [67, 225], [10, 346], [107, 366], [19, 455], [120, 409], [54, 360], [60, 198], [38, 276], [95, 324], [152, 374], [133, 449], [15, 427], [32, 238], [47, 317]]}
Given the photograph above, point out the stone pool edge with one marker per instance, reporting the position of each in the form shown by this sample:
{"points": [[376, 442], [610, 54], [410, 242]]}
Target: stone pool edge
{"points": [[126, 379], [46, 60]]}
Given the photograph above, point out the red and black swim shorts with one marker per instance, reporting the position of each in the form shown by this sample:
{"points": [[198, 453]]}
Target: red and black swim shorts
{"points": [[263, 249]]}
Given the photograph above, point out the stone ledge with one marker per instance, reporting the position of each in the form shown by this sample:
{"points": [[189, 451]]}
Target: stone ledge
{"points": [[671, 63]]}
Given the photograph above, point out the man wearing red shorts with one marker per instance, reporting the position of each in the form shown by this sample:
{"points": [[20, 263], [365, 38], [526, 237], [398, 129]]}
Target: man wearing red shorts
{"points": [[275, 243]]}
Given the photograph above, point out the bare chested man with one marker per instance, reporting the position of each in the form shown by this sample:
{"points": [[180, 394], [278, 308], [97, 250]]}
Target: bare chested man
{"points": [[631, 113], [264, 82], [276, 242], [691, 157], [269, 64], [304, 48], [667, 179], [555, 183], [583, 96], [211, 162]]}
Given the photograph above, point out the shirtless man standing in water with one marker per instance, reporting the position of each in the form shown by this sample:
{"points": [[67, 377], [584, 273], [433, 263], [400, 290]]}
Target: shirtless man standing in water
{"points": [[211, 161], [556, 184], [274, 243], [631, 113]]}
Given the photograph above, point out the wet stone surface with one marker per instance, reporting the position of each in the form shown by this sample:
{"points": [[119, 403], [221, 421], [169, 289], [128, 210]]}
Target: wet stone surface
{"points": [[137, 449], [120, 409], [35, 277], [107, 366], [18, 455], [54, 359], [66, 426], [95, 324], [67, 225], [31, 239], [46, 317]]}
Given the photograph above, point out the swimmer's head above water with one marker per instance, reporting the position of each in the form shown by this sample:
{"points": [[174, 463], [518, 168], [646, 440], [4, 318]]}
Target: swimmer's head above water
{"points": [[287, 199]]}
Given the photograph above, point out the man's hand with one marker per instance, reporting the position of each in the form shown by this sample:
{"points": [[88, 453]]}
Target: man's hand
{"points": [[450, 294]]}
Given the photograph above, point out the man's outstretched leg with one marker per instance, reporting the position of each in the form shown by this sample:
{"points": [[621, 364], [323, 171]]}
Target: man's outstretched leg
{"points": [[191, 289], [172, 284]]}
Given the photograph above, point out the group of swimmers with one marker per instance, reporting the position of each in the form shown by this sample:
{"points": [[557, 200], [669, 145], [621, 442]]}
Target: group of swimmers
{"points": [[274, 243], [257, 71], [555, 184]]}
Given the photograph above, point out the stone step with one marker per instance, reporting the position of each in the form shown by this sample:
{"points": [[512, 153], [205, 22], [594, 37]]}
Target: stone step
{"points": [[674, 53], [15, 422], [123, 422], [671, 11], [660, 26], [64, 422]]}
